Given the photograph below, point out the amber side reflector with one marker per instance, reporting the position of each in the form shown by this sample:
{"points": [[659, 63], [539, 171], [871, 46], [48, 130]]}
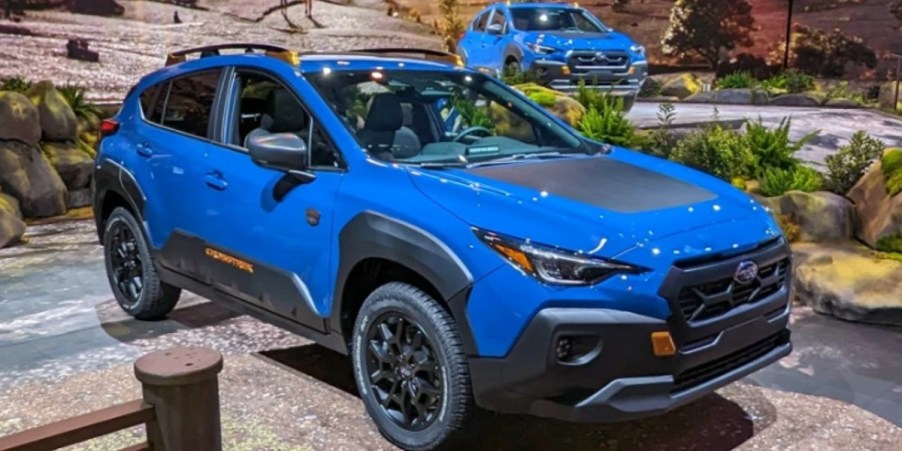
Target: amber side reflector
{"points": [[662, 344]]}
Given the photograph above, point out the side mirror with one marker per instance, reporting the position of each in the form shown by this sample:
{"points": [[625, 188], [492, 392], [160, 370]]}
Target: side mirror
{"points": [[281, 151], [494, 28]]}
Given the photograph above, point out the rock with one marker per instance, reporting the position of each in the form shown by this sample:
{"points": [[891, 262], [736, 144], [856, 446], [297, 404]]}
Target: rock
{"points": [[731, 96], [682, 86], [879, 214], [842, 103], [821, 216], [106, 8], [19, 119], [80, 198], [58, 121], [801, 100], [77, 49], [558, 103], [888, 95], [850, 282], [661, 99], [26, 174], [11, 225], [72, 164]]}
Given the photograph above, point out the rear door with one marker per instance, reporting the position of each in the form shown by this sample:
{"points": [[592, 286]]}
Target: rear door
{"points": [[175, 141], [495, 41], [471, 43]]}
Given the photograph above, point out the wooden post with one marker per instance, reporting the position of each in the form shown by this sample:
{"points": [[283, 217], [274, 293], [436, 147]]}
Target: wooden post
{"points": [[182, 386]]}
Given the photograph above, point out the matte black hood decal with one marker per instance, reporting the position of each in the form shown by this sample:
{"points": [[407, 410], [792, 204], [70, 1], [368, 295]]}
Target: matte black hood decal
{"points": [[602, 182]]}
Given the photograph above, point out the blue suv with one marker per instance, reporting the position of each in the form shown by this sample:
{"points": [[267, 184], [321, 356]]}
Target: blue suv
{"points": [[562, 44], [465, 247]]}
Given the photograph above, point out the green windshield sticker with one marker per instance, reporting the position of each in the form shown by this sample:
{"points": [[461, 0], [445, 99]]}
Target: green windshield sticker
{"points": [[483, 150]]}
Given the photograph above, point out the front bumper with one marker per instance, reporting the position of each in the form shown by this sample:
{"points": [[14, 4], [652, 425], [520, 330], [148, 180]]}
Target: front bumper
{"points": [[615, 375], [565, 77]]}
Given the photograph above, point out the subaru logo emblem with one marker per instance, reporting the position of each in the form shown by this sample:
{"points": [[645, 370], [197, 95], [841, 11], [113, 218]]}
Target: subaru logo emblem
{"points": [[600, 55], [746, 272]]}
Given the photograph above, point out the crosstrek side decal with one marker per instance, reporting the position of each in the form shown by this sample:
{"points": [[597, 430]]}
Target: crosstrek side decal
{"points": [[229, 260]]}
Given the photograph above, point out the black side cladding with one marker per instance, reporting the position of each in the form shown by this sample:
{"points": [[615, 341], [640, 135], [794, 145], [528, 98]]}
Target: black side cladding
{"points": [[109, 178], [601, 182], [372, 235]]}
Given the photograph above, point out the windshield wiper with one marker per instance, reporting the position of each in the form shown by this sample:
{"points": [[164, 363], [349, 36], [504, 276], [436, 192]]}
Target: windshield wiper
{"points": [[442, 165], [520, 156]]}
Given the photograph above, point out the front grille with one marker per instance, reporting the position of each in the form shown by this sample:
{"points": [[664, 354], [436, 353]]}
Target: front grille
{"points": [[712, 299], [607, 59], [703, 373]]}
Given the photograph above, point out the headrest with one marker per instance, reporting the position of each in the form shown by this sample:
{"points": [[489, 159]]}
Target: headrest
{"points": [[283, 113], [385, 114]]}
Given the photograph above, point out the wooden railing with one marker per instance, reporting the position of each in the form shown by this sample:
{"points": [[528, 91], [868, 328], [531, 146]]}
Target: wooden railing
{"points": [[179, 409]]}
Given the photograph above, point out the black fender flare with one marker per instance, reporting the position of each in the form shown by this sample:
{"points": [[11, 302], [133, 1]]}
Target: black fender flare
{"points": [[111, 177], [513, 50], [374, 235]]}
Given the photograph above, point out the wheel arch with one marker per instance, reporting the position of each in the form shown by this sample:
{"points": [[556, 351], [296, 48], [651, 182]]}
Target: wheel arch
{"points": [[375, 249], [115, 186]]}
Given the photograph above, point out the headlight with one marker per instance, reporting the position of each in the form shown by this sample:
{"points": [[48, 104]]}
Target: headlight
{"points": [[636, 48], [544, 49], [554, 266]]}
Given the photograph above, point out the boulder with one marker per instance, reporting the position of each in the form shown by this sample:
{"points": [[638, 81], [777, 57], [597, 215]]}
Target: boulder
{"points": [[11, 225], [26, 174], [681, 86], [820, 216], [731, 96], [888, 95], [72, 164], [802, 100], [77, 49], [558, 103], [842, 103], [879, 209], [80, 198], [19, 119], [58, 121], [850, 282]]}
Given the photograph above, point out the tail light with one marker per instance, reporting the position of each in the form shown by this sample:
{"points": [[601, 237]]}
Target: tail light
{"points": [[108, 127]]}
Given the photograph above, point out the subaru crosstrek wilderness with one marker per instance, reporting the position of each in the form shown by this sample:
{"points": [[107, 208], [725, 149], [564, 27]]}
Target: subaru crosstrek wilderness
{"points": [[499, 260], [563, 44]]}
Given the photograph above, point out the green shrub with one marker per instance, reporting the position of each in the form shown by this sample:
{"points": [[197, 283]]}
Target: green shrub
{"points": [[597, 98], [849, 163], [891, 165], [776, 181], [472, 115], [543, 98], [737, 80], [518, 77], [660, 141], [15, 84], [75, 97], [772, 148], [798, 82], [716, 150], [608, 124], [891, 243]]}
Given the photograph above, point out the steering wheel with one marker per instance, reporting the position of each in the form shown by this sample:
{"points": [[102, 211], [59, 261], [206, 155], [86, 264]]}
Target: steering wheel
{"points": [[469, 131]]}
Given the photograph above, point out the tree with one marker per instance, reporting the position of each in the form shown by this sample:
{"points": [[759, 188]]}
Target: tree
{"points": [[825, 54], [708, 29], [452, 25]]}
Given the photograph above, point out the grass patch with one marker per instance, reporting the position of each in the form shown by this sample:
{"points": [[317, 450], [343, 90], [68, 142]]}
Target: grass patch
{"points": [[891, 164], [891, 243]]}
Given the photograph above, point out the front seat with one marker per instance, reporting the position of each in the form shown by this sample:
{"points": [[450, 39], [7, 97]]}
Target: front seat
{"points": [[282, 114], [384, 129]]}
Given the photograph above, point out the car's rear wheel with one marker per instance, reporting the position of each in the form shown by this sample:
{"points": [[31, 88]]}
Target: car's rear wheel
{"points": [[130, 270], [410, 368]]}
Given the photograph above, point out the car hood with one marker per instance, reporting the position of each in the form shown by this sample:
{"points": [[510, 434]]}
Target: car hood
{"points": [[603, 204], [569, 40]]}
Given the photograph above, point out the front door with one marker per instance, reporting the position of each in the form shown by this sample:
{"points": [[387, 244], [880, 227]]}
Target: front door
{"points": [[495, 41], [269, 240], [471, 42]]}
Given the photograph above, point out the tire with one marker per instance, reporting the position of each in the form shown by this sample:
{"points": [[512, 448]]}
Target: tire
{"points": [[444, 417], [511, 67], [131, 272]]}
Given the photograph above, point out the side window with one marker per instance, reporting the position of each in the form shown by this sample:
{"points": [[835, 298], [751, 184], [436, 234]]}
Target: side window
{"points": [[266, 106], [479, 25], [498, 19], [147, 99], [190, 101]]}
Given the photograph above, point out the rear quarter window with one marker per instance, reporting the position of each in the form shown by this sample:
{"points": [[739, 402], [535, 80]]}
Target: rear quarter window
{"points": [[149, 99], [189, 103]]}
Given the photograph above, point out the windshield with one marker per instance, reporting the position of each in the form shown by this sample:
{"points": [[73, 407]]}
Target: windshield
{"points": [[554, 19], [420, 117]]}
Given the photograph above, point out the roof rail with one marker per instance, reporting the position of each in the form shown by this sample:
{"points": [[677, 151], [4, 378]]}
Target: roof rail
{"points": [[274, 51], [428, 54]]}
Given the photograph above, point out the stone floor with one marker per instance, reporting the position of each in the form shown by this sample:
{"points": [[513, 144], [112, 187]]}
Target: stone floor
{"points": [[64, 342]]}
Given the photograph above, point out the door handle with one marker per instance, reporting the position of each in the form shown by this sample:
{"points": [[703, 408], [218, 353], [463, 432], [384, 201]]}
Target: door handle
{"points": [[214, 180], [144, 150]]}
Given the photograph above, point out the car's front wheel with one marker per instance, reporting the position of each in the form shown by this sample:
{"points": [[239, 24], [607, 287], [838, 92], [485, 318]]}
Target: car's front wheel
{"points": [[130, 270], [410, 368]]}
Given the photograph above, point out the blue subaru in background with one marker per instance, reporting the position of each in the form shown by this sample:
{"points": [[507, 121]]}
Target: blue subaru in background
{"points": [[462, 245], [562, 44]]}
